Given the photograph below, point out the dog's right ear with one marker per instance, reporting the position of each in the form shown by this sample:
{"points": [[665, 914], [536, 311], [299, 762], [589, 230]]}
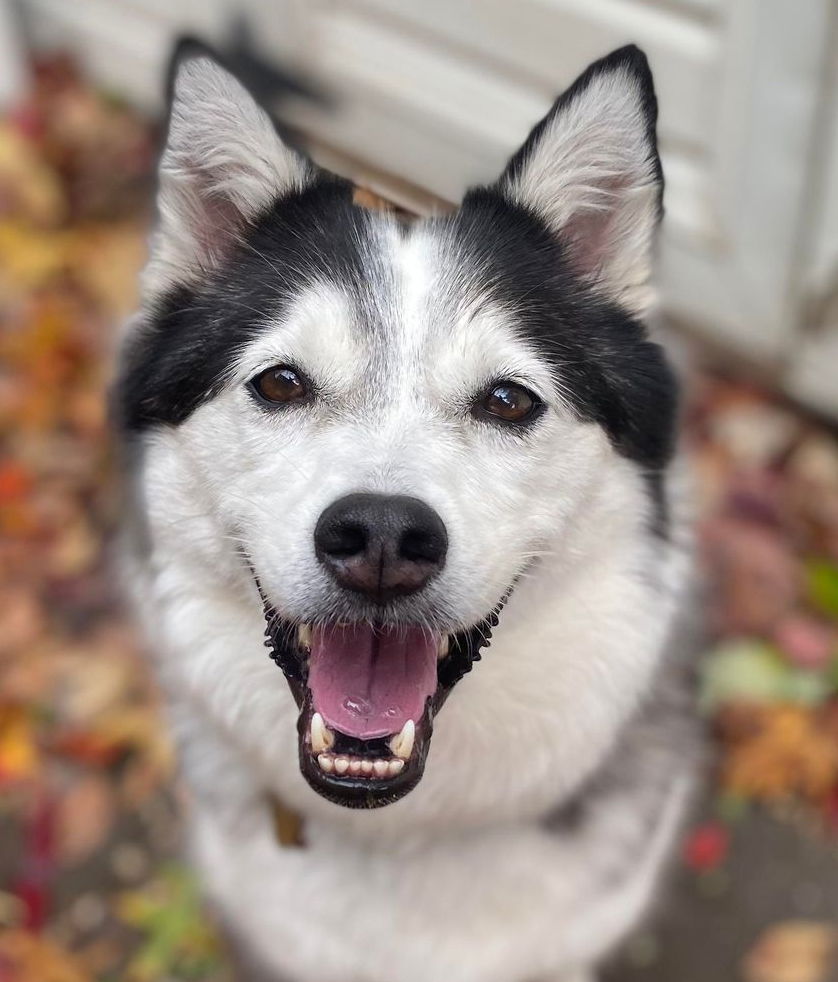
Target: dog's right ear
{"points": [[222, 164]]}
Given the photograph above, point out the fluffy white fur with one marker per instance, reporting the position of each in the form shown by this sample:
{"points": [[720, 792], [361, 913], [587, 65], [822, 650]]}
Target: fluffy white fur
{"points": [[592, 178], [462, 880], [222, 163]]}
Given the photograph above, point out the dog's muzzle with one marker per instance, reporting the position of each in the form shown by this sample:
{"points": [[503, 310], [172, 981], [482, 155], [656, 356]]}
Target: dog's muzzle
{"points": [[368, 691]]}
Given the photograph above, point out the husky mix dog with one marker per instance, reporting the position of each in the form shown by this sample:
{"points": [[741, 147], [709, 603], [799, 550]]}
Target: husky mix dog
{"points": [[428, 466]]}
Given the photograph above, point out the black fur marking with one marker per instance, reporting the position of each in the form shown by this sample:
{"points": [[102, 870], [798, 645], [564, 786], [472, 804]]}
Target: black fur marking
{"points": [[177, 360], [610, 371]]}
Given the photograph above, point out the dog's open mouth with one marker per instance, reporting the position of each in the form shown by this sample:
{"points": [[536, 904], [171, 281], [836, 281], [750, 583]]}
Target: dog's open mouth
{"points": [[368, 695]]}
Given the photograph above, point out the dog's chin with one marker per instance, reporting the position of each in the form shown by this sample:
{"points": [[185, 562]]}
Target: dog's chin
{"points": [[368, 695]]}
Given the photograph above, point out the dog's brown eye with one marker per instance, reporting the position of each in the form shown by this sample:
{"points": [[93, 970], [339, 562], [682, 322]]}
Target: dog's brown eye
{"points": [[510, 402], [281, 384]]}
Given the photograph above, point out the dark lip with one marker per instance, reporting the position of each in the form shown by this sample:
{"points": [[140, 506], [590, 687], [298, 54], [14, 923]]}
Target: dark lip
{"points": [[364, 792]]}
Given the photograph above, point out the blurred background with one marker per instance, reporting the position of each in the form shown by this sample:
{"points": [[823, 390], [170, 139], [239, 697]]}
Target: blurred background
{"points": [[415, 101]]}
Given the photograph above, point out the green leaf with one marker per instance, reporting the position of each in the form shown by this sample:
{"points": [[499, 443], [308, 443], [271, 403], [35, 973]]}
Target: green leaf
{"points": [[742, 671], [178, 939], [822, 586], [753, 671]]}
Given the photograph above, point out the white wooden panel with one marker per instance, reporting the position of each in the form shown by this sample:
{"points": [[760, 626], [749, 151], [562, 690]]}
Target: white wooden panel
{"points": [[14, 75], [821, 273], [546, 42], [124, 46], [439, 92], [813, 372], [775, 56], [460, 120]]}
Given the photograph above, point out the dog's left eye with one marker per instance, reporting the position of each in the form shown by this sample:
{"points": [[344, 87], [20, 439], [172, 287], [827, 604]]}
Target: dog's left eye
{"points": [[280, 384], [509, 402]]}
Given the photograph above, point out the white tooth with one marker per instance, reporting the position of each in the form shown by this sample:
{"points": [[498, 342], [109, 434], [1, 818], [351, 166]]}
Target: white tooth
{"points": [[402, 743], [395, 767], [381, 767], [326, 763], [366, 767], [322, 737], [354, 766], [304, 635], [341, 764], [442, 651]]}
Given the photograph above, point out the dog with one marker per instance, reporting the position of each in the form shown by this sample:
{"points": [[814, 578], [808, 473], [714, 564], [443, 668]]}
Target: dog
{"points": [[427, 472]]}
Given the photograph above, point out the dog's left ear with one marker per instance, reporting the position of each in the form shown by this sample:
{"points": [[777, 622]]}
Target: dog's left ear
{"points": [[590, 170], [223, 163]]}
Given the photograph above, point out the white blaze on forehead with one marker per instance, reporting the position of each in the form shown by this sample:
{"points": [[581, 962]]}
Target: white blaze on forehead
{"points": [[414, 260], [460, 335], [421, 333]]}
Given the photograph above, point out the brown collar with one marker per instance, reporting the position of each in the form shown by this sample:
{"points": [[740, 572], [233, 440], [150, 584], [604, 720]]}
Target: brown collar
{"points": [[288, 824]]}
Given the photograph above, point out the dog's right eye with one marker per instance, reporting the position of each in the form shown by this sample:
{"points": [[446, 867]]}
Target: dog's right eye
{"points": [[508, 402], [280, 384]]}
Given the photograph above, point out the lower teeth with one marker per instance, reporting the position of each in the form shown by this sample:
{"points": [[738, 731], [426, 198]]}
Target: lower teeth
{"points": [[341, 764]]}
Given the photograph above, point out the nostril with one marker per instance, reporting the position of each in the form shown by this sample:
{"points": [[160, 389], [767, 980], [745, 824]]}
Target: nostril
{"points": [[418, 545], [344, 540]]}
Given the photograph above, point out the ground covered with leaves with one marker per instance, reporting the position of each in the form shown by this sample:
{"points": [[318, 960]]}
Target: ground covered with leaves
{"points": [[91, 887]]}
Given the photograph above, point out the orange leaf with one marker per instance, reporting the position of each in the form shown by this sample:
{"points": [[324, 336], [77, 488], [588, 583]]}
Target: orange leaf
{"points": [[26, 957], [19, 756], [15, 482]]}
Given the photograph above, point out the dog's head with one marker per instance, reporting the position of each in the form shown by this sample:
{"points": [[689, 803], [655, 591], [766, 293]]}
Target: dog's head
{"points": [[388, 423]]}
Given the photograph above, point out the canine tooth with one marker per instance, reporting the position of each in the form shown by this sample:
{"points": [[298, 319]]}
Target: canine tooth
{"points": [[402, 743], [304, 635], [326, 763], [366, 767], [354, 766], [395, 767], [381, 767], [322, 737], [341, 765], [442, 651]]}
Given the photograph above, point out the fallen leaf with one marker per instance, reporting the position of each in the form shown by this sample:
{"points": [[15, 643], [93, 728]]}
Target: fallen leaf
{"points": [[793, 951], [822, 583], [26, 957], [84, 819], [706, 847], [19, 754]]}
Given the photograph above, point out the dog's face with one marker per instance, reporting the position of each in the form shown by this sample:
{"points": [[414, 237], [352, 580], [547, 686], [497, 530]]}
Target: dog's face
{"points": [[390, 422]]}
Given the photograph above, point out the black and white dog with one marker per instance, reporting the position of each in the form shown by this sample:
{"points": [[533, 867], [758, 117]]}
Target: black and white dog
{"points": [[388, 452]]}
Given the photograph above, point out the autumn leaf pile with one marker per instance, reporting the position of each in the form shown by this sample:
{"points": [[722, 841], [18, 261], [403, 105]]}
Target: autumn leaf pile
{"points": [[769, 536], [87, 820], [90, 887]]}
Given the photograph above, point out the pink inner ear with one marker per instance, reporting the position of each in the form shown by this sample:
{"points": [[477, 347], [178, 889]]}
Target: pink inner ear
{"points": [[214, 221], [589, 234], [217, 233]]}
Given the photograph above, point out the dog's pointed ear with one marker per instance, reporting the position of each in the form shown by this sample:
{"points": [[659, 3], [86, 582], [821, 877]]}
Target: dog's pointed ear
{"points": [[223, 163], [590, 170]]}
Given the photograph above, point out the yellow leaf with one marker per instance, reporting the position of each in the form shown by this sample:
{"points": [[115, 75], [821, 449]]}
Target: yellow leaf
{"points": [[19, 756], [792, 951]]}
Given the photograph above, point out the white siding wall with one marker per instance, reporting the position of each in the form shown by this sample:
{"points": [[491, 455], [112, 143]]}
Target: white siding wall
{"points": [[436, 94]]}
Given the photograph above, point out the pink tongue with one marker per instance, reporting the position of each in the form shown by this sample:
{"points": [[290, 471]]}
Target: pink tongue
{"points": [[368, 683]]}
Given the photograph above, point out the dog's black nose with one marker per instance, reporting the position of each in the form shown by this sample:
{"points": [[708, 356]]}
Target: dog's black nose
{"points": [[383, 546]]}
